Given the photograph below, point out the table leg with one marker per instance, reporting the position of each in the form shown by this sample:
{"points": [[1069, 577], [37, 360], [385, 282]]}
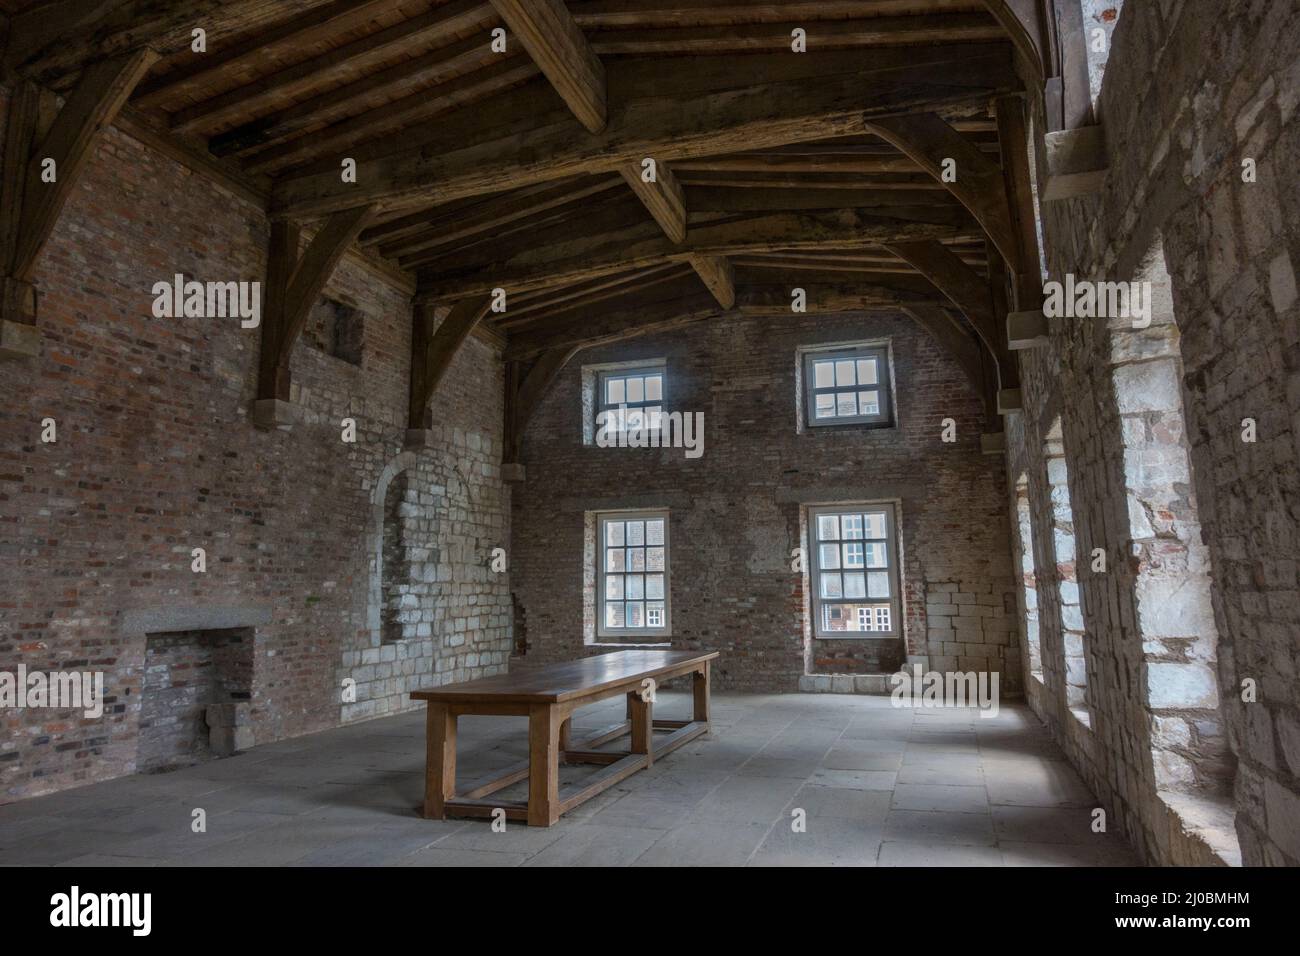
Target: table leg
{"points": [[701, 689], [440, 760], [641, 713], [543, 765]]}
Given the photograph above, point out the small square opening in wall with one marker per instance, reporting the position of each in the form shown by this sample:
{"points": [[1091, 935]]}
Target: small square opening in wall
{"points": [[622, 396], [337, 329], [845, 385]]}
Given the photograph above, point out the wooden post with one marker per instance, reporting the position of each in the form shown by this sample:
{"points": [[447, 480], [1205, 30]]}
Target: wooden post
{"points": [[440, 760], [543, 765]]}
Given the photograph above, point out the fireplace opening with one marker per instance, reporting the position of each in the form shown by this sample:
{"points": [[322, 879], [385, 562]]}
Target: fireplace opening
{"points": [[195, 697]]}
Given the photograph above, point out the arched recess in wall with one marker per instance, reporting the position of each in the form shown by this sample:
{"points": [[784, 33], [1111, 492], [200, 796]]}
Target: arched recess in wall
{"points": [[386, 545], [1171, 564], [1074, 649]]}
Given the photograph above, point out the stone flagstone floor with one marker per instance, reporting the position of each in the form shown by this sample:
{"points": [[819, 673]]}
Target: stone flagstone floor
{"points": [[880, 786]]}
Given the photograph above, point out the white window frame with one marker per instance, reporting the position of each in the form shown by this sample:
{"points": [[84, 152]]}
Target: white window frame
{"points": [[850, 352], [639, 635], [816, 602], [602, 405]]}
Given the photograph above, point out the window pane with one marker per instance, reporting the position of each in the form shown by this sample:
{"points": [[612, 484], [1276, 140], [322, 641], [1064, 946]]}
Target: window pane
{"points": [[875, 524], [823, 374], [636, 390], [614, 533], [852, 525], [654, 585], [654, 531], [654, 559], [614, 615], [831, 586], [868, 403], [614, 587], [635, 420], [877, 556], [828, 527], [654, 388], [614, 391], [846, 405], [636, 559], [867, 372], [844, 373], [853, 555], [636, 533], [654, 611], [636, 614], [830, 557], [636, 586], [614, 559], [878, 584], [855, 586], [825, 406]]}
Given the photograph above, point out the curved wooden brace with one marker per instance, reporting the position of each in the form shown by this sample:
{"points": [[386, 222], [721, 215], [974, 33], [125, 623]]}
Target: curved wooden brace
{"points": [[968, 291], [953, 335], [1023, 20], [977, 184]]}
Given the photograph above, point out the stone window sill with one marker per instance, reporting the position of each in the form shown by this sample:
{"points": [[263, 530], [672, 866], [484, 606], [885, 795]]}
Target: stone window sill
{"points": [[1205, 824]]}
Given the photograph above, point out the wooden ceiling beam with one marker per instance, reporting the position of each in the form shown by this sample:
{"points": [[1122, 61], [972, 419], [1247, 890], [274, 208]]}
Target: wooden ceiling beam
{"points": [[825, 35], [975, 180], [563, 261], [632, 14], [436, 336], [666, 127], [662, 197], [969, 291], [561, 52]]}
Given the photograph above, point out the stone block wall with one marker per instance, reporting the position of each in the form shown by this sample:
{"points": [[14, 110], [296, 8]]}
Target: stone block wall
{"points": [[737, 512], [155, 456], [1198, 526]]}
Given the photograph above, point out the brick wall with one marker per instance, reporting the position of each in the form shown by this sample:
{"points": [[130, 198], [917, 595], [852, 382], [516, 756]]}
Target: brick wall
{"points": [[735, 512], [156, 456], [1199, 528]]}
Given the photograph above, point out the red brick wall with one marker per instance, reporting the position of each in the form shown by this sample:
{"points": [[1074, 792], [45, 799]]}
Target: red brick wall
{"points": [[156, 455], [736, 511]]}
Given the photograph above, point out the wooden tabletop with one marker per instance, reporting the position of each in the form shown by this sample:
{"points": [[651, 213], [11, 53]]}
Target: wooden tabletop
{"points": [[568, 680]]}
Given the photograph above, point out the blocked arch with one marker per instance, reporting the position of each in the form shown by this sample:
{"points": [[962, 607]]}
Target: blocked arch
{"points": [[375, 542]]}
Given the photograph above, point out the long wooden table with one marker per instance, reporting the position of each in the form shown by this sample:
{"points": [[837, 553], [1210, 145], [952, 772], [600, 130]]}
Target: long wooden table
{"points": [[548, 696]]}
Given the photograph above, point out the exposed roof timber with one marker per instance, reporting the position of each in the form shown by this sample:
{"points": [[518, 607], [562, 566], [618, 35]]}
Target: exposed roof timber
{"points": [[371, 50], [563, 261], [400, 115], [252, 52], [668, 129], [541, 306], [874, 32], [684, 303], [626, 14], [442, 64], [558, 47]]}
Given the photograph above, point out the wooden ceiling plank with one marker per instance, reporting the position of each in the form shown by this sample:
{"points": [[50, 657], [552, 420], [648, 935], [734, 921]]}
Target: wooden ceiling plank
{"points": [[663, 127], [339, 62], [252, 50]]}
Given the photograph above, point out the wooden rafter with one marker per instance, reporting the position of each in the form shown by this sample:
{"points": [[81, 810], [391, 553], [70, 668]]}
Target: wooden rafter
{"points": [[974, 179], [562, 53], [970, 293], [582, 256], [666, 128]]}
